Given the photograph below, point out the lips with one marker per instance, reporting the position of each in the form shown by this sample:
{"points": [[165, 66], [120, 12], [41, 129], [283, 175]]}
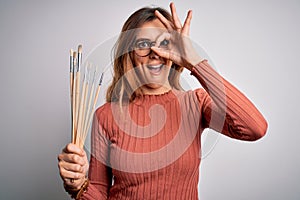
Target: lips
{"points": [[155, 69]]}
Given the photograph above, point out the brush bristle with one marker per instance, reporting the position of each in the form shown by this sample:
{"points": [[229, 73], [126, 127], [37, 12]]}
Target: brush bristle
{"points": [[74, 54], [80, 48], [71, 52]]}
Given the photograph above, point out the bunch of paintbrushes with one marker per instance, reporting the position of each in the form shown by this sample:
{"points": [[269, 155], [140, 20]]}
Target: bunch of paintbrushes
{"points": [[84, 93]]}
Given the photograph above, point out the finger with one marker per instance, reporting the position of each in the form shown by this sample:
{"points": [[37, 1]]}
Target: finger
{"points": [[187, 23], [71, 167], [66, 174], [72, 158], [162, 37], [176, 20], [169, 63], [72, 148], [69, 181], [164, 20], [74, 183], [161, 52], [167, 54]]}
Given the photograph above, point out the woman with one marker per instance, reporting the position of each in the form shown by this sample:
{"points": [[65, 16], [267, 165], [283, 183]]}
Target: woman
{"points": [[146, 140]]}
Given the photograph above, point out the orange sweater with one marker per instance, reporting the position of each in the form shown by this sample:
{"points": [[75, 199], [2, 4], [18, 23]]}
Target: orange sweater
{"points": [[151, 149]]}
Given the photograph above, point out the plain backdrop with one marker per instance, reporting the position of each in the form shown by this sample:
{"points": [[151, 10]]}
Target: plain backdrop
{"points": [[254, 44]]}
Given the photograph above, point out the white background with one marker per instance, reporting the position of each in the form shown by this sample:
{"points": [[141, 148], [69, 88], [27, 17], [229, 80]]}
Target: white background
{"points": [[254, 44]]}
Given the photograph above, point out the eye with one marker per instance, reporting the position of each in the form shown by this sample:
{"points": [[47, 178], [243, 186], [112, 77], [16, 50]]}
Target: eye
{"points": [[143, 44], [164, 43]]}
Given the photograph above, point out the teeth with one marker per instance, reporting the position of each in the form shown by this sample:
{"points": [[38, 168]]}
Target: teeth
{"points": [[154, 67]]}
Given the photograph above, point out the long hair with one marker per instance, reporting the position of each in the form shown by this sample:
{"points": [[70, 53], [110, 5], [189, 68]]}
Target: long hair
{"points": [[124, 88]]}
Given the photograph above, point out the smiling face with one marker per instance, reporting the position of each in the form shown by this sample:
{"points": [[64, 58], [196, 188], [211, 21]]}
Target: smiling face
{"points": [[153, 69]]}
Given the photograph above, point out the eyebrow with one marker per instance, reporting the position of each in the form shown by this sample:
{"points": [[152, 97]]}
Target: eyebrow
{"points": [[142, 39]]}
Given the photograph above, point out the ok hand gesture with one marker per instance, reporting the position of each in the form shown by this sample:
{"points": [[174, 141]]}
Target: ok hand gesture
{"points": [[181, 50]]}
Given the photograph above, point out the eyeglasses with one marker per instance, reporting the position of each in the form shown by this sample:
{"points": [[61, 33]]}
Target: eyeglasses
{"points": [[142, 47]]}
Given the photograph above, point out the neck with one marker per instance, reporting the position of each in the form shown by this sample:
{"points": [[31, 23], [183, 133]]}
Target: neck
{"points": [[151, 90]]}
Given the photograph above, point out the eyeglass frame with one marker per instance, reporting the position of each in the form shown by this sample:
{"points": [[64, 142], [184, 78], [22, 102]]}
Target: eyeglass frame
{"points": [[152, 43]]}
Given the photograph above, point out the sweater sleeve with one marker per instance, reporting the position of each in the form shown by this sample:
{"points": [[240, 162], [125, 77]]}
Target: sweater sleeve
{"points": [[100, 174], [225, 108]]}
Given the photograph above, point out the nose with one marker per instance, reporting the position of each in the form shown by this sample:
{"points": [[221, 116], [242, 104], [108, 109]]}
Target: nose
{"points": [[153, 55]]}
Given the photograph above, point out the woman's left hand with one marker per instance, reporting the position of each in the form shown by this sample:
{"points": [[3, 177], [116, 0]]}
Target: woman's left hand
{"points": [[181, 50]]}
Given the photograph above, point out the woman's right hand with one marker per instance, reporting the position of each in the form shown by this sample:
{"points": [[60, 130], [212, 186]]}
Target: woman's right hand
{"points": [[73, 166]]}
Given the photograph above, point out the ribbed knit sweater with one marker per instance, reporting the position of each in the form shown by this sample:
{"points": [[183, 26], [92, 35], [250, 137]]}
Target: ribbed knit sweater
{"points": [[151, 148]]}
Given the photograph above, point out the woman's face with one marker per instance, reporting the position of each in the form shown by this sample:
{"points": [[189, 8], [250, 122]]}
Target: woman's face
{"points": [[153, 69]]}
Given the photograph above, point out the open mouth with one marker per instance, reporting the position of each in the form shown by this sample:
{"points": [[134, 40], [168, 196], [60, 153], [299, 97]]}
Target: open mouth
{"points": [[155, 69]]}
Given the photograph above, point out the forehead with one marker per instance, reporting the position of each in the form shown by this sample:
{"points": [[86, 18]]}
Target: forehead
{"points": [[151, 30]]}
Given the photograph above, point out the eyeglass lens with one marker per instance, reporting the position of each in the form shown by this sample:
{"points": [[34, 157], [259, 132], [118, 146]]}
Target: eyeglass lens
{"points": [[143, 46]]}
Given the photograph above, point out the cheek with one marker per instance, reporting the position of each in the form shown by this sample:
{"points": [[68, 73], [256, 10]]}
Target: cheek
{"points": [[138, 61]]}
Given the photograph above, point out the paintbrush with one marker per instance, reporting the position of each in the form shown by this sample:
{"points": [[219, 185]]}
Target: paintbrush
{"points": [[82, 96], [92, 88], [75, 83], [82, 104], [71, 87], [77, 91], [92, 110]]}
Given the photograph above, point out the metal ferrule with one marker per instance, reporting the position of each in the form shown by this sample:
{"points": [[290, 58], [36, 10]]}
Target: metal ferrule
{"points": [[71, 64], [101, 78], [79, 57], [75, 64]]}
